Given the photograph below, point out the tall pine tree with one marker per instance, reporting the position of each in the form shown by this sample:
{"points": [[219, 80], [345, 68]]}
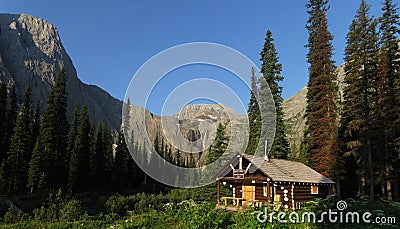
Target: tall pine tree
{"points": [[271, 70], [220, 144], [386, 112], [254, 116], [11, 118], [36, 124], [50, 150], [21, 145], [98, 158], [79, 169], [315, 10], [123, 164], [108, 153], [360, 73], [35, 173], [321, 101], [73, 131], [3, 112]]}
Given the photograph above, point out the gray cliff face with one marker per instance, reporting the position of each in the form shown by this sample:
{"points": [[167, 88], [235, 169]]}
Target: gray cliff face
{"points": [[31, 52], [294, 109]]}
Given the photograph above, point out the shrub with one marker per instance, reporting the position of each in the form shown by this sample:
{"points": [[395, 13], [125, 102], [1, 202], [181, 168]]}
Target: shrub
{"points": [[40, 214], [117, 205], [50, 210], [12, 217], [71, 211]]}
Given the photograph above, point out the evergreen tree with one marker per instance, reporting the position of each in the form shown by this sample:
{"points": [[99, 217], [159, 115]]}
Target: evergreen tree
{"points": [[142, 157], [178, 158], [155, 161], [134, 174], [387, 88], [254, 116], [34, 162], [11, 117], [191, 162], [157, 143], [360, 73], [217, 149], [99, 158], [73, 131], [20, 150], [52, 141], [122, 163], [80, 158], [35, 173], [3, 112], [92, 153], [169, 157], [102, 159], [321, 103], [107, 140], [126, 116], [74, 183], [36, 125], [3, 181], [315, 9], [271, 70]]}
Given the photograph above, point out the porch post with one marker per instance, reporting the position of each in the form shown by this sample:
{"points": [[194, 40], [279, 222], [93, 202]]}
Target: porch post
{"points": [[218, 187], [273, 193], [268, 192]]}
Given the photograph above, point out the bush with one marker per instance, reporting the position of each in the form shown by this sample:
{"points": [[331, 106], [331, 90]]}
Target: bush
{"points": [[117, 205], [40, 214], [50, 210], [138, 203], [71, 211], [12, 217]]}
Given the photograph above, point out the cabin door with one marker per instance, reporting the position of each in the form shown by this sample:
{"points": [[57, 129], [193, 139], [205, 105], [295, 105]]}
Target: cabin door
{"points": [[248, 192]]}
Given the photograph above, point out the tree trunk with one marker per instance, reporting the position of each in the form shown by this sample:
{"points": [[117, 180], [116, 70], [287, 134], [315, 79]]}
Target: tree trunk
{"points": [[370, 171]]}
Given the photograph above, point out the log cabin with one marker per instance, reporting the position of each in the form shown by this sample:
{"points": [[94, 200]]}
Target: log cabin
{"points": [[282, 183]]}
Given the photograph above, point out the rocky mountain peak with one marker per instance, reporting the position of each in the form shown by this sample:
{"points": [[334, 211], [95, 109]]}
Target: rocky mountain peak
{"points": [[213, 112], [31, 53]]}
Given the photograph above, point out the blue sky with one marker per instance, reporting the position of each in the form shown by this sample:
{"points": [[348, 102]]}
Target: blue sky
{"points": [[109, 40]]}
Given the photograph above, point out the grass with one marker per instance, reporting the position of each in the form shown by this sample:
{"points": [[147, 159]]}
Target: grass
{"points": [[173, 210]]}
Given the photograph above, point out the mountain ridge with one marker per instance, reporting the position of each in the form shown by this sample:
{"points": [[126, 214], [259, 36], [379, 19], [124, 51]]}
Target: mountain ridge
{"points": [[31, 53]]}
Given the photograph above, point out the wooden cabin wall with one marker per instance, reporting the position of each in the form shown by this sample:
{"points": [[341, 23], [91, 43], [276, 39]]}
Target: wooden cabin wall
{"points": [[302, 193], [279, 191], [259, 192], [238, 190]]}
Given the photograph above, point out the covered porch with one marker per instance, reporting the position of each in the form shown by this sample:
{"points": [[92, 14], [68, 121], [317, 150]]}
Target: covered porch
{"points": [[246, 192]]}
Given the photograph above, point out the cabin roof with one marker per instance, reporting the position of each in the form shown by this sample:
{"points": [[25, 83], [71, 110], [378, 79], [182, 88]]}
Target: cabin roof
{"points": [[286, 171]]}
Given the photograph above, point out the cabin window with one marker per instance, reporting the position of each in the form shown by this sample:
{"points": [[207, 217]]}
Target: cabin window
{"points": [[314, 189]]}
